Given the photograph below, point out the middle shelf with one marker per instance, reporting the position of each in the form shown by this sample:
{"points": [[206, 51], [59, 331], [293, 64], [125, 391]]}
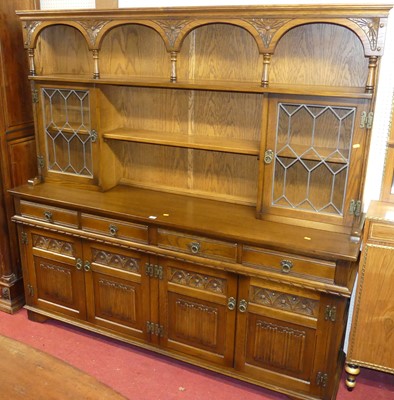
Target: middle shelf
{"points": [[237, 146]]}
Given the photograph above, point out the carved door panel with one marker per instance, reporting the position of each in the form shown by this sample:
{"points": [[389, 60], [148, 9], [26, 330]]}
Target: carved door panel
{"points": [[277, 334], [197, 311], [117, 289], [56, 280]]}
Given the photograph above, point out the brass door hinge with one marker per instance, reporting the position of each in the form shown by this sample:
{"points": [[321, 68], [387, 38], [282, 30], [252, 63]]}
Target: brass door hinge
{"points": [[40, 162], [34, 94], [154, 329], [366, 120], [330, 314], [30, 290], [154, 271], [355, 207], [93, 135], [24, 239], [321, 379]]}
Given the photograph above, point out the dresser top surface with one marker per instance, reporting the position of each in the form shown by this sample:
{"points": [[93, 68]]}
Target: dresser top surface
{"points": [[207, 217]]}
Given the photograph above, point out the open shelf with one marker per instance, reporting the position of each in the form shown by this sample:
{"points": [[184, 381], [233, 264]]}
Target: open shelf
{"points": [[237, 146], [214, 85]]}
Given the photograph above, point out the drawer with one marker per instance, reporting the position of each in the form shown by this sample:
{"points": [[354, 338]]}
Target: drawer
{"points": [[381, 232], [55, 215], [197, 245], [286, 263], [114, 228]]}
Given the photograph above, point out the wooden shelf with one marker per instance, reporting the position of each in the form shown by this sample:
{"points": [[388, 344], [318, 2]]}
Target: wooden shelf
{"points": [[67, 130], [237, 146], [324, 152], [211, 85]]}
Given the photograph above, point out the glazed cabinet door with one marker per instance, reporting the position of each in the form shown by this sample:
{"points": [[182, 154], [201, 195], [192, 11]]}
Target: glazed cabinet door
{"points": [[67, 139], [117, 289], [278, 336], [313, 160], [56, 281], [197, 311]]}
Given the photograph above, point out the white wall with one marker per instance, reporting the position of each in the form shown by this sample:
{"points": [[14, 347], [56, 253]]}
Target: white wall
{"points": [[385, 88]]}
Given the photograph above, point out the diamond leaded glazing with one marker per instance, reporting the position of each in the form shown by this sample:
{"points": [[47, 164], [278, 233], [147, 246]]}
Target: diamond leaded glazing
{"points": [[312, 156], [67, 129]]}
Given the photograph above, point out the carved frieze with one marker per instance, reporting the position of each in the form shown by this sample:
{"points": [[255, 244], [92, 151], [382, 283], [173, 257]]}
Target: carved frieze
{"points": [[267, 27], [284, 301], [114, 260], [198, 281], [53, 245]]}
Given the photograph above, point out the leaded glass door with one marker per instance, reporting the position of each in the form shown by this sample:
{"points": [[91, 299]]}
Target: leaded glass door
{"points": [[67, 140], [314, 158]]}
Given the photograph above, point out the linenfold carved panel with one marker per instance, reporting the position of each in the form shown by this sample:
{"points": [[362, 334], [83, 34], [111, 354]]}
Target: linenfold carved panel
{"points": [[111, 299], [55, 283], [284, 301], [279, 346], [115, 285], [196, 322], [56, 268], [198, 281]]}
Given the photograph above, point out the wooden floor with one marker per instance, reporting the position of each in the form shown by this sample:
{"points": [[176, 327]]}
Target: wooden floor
{"points": [[27, 373]]}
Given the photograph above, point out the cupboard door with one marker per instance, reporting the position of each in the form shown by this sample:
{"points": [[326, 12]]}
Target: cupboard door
{"points": [[387, 193], [314, 156], [57, 281], [117, 289], [277, 334], [374, 310], [66, 136], [197, 311]]}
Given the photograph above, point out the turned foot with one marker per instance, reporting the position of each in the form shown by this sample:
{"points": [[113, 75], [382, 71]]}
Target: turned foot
{"points": [[353, 371]]}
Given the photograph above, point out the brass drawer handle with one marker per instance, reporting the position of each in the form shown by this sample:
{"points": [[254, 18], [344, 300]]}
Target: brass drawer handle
{"points": [[243, 306], [286, 265], [79, 264], [86, 267], [48, 216], [268, 156], [195, 247], [113, 230], [231, 303]]}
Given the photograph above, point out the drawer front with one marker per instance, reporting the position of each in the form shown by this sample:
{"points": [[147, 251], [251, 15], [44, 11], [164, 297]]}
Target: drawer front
{"points": [[197, 245], [286, 263], [114, 228], [55, 215], [381, 232]]}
